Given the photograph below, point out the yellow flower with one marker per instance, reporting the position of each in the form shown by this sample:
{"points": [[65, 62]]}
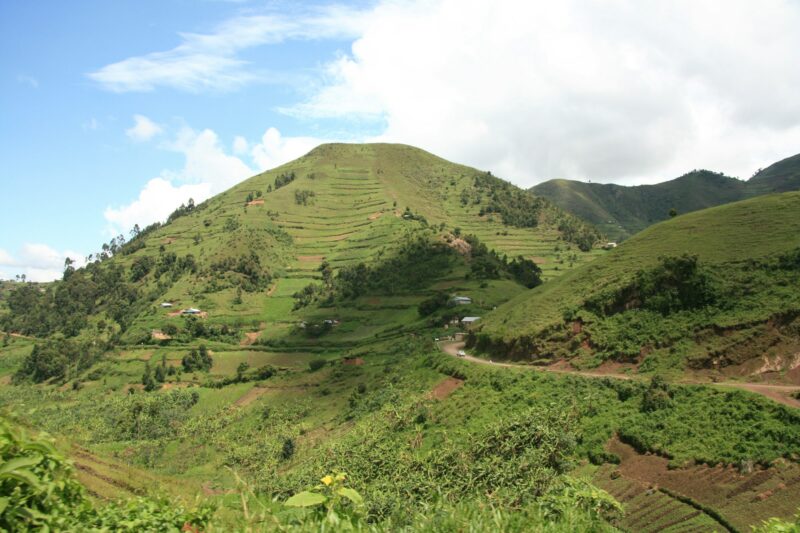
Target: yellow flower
{"points": [[327, 480]]}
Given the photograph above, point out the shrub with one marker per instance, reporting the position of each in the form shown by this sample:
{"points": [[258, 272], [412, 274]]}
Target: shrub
{"points": [[316, 364]]}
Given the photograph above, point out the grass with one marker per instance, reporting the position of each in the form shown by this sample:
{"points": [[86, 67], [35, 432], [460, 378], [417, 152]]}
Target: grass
{"points": [[723, 238], [421, 463]]}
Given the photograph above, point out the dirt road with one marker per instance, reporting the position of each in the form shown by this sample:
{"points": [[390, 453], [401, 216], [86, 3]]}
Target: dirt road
{"points": [[779, 393]]}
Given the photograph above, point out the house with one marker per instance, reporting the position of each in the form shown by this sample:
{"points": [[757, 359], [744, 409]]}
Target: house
{"points": [[191, 311], [166, 305], [467, 320], [460, 300], [609, 245]]}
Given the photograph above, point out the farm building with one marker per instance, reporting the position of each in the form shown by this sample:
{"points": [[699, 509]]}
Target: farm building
{"points": [[460, 300], [467, 320], [166, 304], [191, 311], [610, 245]]}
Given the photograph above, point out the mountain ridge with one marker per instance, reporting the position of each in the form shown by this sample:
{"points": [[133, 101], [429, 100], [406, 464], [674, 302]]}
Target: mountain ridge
{"points": [[621, 211]]}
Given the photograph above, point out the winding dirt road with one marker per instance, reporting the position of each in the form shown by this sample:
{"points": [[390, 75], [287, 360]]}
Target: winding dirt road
{"points": [[779, 393]]}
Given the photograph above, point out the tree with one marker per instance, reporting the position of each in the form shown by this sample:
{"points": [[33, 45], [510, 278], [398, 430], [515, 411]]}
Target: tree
{"points": [[68, 268], [149, 383], [240, 370], [673, 213]]}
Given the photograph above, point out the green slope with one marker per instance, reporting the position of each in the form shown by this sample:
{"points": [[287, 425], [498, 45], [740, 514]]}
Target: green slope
{"points": [[431, 442], [242, 255], [621, 211], [737, 246]]}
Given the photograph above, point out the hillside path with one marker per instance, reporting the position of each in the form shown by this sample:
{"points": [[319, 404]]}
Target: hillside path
{"points": [[777, 393]]}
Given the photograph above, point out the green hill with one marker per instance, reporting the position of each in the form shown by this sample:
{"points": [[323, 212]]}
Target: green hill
{"points": [[241, 256], [310, 391], [621, 211], [709, 289]]}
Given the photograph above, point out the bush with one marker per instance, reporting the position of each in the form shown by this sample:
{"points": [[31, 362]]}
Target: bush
{"points": [[316, 364]]}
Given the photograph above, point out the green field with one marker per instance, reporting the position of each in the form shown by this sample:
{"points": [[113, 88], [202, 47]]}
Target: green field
{"points": [[318, 352]]}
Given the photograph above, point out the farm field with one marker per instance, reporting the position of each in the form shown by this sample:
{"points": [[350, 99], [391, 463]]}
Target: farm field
{"points": [[320, 293]]}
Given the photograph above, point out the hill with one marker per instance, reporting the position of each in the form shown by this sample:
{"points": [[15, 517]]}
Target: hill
{"points": [[621, 211], [241, 256], [715, 289], [309, 389]]}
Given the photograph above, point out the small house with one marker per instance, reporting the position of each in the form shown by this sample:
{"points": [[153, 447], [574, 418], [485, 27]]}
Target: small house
{"points": [[165, 305], [467, 320], [191, 311], [610, 245], [460, 300]]}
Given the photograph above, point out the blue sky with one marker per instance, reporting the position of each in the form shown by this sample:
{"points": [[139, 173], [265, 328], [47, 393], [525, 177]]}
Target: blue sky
{"points": [[115, 112]]}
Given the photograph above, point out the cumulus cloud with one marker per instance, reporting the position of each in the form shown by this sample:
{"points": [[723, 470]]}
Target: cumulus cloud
{"points": [[211, 61], [208, 169], [275, 149], [623, 91], [143, 129], [38, 262]]}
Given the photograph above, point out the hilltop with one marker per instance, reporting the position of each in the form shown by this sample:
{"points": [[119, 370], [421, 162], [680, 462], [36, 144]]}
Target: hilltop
{"points": [[621, 211], [713, 290]]}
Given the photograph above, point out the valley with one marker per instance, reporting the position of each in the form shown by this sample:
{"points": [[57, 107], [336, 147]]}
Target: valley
{"points": [[293, 340]]}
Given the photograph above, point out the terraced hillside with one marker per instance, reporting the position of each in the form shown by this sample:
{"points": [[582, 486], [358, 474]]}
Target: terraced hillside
{"points": [[241, 256], [621, 211], [312, 365], [714, 290]]}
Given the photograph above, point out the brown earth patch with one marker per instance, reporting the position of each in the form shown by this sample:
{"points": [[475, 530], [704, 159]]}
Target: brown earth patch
{"points": [[258, 201], [5, 380], [249, 338], [743, 499], [445, 388], [272, 289], [169, 240], [461, 246], [539, 260], [375, 216], [159, 335], [374, 301], [310, 258], [353, 361], [172, 385], [209, 490], [250, 396], [174, 313]]}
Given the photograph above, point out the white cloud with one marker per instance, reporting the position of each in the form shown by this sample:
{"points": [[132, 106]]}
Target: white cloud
{"points": [[39, 262], [156, 201], [143, 129], [210, 60], [240, 145], [28, 80], [275, 149], [624, 90], [207, 170]]}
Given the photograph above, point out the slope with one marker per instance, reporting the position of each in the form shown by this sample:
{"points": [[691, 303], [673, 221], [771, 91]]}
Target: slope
{"points": [[241, 256], [621, 211], [730, 305]]}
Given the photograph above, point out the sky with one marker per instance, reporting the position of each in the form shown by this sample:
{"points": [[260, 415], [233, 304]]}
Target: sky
{"points": [[114, 113]]}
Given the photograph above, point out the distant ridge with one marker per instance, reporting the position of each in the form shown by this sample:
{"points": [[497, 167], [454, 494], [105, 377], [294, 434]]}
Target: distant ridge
{"points": [[620, 211]]}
